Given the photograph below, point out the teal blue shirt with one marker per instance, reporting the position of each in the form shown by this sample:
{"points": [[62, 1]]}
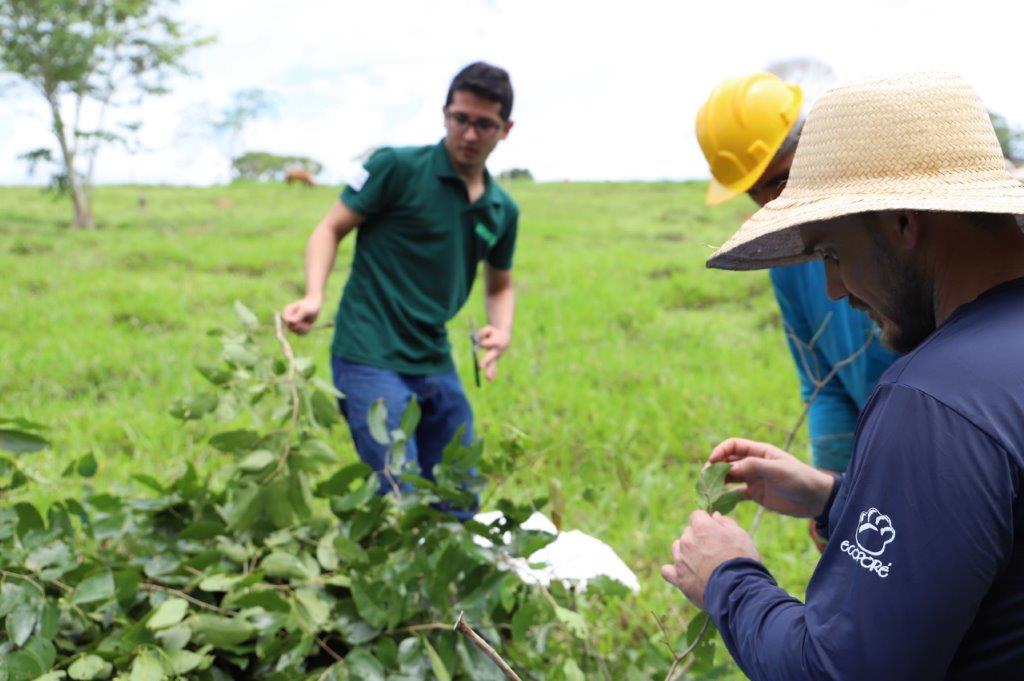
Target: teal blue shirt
{"points": [[806, 311]]}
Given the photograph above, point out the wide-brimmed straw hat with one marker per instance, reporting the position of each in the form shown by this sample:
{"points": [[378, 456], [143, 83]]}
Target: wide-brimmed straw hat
{"points": [[918, 141]]}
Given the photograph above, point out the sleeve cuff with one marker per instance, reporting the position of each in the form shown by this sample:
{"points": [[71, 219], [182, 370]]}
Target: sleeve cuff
{"points": [[821, 522], [722, 580]]}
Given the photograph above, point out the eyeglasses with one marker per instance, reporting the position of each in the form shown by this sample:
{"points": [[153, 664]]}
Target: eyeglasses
{"points": [[485, 127]]}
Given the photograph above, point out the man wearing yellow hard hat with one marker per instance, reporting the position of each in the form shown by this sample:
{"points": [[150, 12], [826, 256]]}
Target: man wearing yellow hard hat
{"points": [[748, 130]]}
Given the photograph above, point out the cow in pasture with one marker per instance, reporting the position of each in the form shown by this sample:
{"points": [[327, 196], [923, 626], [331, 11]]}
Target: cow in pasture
{"points": [[300, 175]]}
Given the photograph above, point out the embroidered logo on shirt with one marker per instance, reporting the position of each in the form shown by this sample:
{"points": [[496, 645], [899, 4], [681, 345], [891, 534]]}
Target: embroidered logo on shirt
{"points": [[485, 234], [874, 533]]}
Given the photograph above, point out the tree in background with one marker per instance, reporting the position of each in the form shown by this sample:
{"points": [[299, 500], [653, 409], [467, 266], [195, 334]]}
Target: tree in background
{"points": [[245, 107], [516, 174], [89, 57], [263, 166], [1011, 138]]}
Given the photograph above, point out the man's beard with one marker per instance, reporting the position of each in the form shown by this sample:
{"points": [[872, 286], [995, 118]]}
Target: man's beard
{"points": [[909, 316]]}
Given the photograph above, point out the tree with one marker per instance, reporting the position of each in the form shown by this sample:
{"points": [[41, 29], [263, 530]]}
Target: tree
{"points": [[516, 174], [1010, 137], [88, 57], [245, 107], [264, 166]]}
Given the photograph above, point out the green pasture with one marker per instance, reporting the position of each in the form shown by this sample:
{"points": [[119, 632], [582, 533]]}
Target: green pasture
{"points": [[629, 361]]}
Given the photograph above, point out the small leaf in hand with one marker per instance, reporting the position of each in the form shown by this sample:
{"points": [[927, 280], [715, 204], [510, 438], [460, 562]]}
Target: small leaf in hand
{"points": [[726, 501], [711, 483]]}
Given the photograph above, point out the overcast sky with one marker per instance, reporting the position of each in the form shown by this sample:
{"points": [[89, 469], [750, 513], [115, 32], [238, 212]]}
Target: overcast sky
{"points": [[604, 91]]}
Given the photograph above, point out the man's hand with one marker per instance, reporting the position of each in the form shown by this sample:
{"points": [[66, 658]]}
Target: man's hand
{"points": [[774, 479], [706, 543], [301, 315], [495, 342]]}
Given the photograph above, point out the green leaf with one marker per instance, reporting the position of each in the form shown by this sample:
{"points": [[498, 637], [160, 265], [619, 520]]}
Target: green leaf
{"points": [[147, 667], [97, 587], [194, 407], [572, 671], [28, 518], [711, 482], [704, 652], [150, 482], [21, 442], [326, 554], [436, 664], [50, 554], [364, 666], [90, 667], [34, 660], [368, 601], [215, 375], [340, 482], [221, 631], [234, 441], [572, 620], [167, 614], [239, 355], [246, 316], [21, 622], [378, 422], [49, 621], [349, 551], [325, 410], [174, 638], [185, 661], [311, 608], [215, 583], [52, 676], [356, 499], [285, 565], [410, 418], [257, 461], [86, 466], [21, 423], [202, 529], [727, 501], [268, 600]]}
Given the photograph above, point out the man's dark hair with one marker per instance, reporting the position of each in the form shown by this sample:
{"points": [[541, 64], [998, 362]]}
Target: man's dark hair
{"points": [[486, 81]]}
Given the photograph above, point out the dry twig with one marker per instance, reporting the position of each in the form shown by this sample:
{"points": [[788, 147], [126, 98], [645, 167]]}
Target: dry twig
{"points": [[467, 631]]}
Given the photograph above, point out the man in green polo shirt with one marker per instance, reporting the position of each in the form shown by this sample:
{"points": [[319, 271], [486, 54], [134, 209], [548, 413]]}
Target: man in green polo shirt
{"points": [[426, 217]]}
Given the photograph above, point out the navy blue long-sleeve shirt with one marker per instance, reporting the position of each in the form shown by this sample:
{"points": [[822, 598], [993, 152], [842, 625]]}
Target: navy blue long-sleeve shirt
{"points": [[923, 575]]}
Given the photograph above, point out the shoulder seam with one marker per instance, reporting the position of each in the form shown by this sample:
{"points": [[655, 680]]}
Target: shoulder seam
{"points": [[953, 410]]}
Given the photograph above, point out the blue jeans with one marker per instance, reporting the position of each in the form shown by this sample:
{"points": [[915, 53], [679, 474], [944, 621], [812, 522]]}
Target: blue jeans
{"points": [[443, 404]]}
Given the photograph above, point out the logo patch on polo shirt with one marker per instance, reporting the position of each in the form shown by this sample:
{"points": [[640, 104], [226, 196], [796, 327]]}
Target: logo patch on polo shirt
{"points": [[355, 177], [484, 233]]}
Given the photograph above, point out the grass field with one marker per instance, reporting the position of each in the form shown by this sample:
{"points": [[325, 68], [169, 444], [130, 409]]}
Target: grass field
{"points": [[629, 359]]}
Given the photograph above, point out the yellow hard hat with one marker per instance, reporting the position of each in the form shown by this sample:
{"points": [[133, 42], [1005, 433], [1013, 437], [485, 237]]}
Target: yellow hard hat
{"points": [[741, 126]]}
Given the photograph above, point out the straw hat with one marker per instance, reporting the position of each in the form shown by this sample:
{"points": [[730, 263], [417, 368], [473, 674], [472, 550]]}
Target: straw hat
{"points": [[918, 141]]}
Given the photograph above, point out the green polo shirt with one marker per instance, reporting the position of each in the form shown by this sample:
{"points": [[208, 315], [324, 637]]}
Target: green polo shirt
{"points": [[417, 252]]}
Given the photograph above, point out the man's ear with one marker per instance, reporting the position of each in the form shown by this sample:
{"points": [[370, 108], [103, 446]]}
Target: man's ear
{"points": [[903, 229]]}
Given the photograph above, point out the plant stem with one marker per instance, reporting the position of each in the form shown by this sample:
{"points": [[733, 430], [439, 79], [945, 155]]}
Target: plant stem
{"points": [[467, 631]]}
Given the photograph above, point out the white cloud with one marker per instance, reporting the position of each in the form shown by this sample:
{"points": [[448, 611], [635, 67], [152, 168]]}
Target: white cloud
{"points": [[603, 90]]}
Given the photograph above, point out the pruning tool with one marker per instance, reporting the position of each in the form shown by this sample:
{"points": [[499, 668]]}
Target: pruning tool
{"points": [[474, 336]]}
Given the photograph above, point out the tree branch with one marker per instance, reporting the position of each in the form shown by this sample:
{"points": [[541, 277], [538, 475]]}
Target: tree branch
{"points": [[467, 631]]}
